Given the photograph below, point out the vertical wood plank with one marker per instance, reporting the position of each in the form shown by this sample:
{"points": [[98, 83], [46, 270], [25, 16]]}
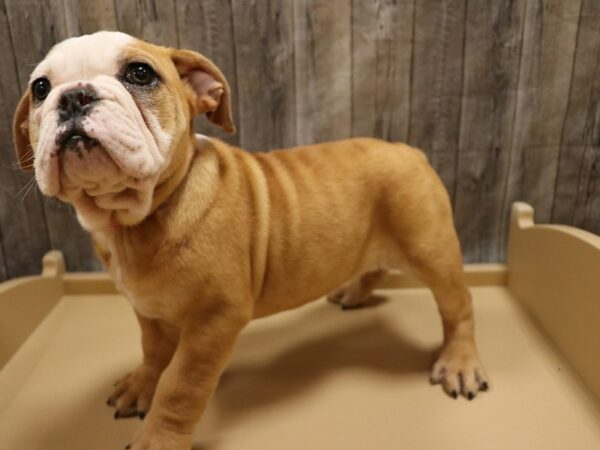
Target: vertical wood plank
{"points": [[207, 27], [30, 48], [544, 80], [63, 230], [382, 32], [68, 236], [436, 91], [22, 223], [152, 20], [89, 16], [577, 197], [492, 56], [323, 69], [264, 47], [3, 275]]}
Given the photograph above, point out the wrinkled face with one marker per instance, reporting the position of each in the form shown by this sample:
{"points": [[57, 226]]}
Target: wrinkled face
{"points": [[104, 118]]}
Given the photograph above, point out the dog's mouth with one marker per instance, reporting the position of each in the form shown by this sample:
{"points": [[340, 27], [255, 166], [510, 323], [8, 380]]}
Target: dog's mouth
{"points": [[74, 138]]}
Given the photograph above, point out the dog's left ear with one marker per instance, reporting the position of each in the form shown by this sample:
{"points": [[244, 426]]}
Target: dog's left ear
{"points": [[21, 134], [209, 91]]}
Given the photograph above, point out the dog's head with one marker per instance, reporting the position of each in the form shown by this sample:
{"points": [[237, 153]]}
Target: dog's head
{"points": [[106, 116]]}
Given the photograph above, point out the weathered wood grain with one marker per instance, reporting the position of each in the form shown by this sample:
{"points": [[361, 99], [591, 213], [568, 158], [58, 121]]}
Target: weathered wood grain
{"points": [[207, 27], [264, 45], [503, 96], [64, 231], [89, 16], [3, 275], [151, 20], [437, 73], [323, 70], [68, 236], [30, 48], [544, 80], [382, 34], [491, 69], [577, 197], [22, 222]]}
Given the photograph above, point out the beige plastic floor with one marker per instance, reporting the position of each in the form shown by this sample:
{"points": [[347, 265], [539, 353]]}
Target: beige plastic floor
{"points": [[315, 378]]}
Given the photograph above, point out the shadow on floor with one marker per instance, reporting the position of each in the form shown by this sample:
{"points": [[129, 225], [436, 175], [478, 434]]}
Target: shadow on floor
{"points": [[363, 340]]}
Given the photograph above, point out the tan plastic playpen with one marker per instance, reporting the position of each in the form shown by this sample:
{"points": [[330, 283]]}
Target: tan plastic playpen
{"points": [[317, 378]]}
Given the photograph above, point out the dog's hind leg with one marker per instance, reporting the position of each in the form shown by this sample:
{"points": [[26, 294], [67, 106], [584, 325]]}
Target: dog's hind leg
{"points": [[432, 253], [357, 291], [420, 221], [457, 368]]}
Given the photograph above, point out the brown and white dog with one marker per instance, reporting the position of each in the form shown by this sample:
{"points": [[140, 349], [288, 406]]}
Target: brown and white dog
{"points": [[202, 237]]}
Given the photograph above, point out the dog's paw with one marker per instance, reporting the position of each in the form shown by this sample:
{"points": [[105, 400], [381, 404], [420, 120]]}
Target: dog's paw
{"points": [[348, 297], [133, 394], [459, 371], [156, 438], [357, 292]]}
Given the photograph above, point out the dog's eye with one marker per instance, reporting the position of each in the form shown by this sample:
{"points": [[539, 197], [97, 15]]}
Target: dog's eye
{"points": [[140, 74], [40, 88]]}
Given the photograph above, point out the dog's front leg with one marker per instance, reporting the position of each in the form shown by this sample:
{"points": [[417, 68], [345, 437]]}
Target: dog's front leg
{"points": [[133, 394], [205, 343]]}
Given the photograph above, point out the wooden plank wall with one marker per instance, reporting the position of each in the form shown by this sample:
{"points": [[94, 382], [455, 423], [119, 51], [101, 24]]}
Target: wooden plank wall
{"points": [[503, 96]]}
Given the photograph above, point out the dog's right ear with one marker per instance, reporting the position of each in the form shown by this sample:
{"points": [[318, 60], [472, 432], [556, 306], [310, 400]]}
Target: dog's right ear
{"points": [[207, 86], [21, 134]]}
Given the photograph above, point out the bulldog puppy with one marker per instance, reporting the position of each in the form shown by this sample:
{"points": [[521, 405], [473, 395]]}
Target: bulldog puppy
{"points": [[202, 237]]}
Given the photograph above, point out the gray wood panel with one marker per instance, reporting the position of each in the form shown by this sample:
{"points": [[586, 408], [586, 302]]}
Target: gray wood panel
{"points": [[264, 45], [488, 111], [382, 32], [504, 97], [437, 74], [89, 16], [544, 80], [152, 20], [68, 236], [323, 70], [22, 221], [3, 275], [207, 27], [30, 47], [577, 198]]}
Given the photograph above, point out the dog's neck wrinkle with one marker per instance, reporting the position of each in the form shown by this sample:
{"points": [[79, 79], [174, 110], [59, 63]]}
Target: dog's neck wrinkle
{"points": [[205, 169], [167, 188], [179, 167], [172, 199]]}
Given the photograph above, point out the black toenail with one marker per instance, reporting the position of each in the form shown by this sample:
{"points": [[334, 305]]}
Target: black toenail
{"points": [[484, 386], [128, 447], [142, 415], [454, 394], [108, 402], [470, 395], [117, 415]]}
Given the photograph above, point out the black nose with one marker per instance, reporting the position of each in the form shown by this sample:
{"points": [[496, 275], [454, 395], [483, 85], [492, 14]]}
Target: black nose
{"points": [[76, 102]]}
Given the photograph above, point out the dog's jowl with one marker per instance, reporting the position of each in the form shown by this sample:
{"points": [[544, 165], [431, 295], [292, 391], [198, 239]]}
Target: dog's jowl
{"points": [[202, 237]]}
